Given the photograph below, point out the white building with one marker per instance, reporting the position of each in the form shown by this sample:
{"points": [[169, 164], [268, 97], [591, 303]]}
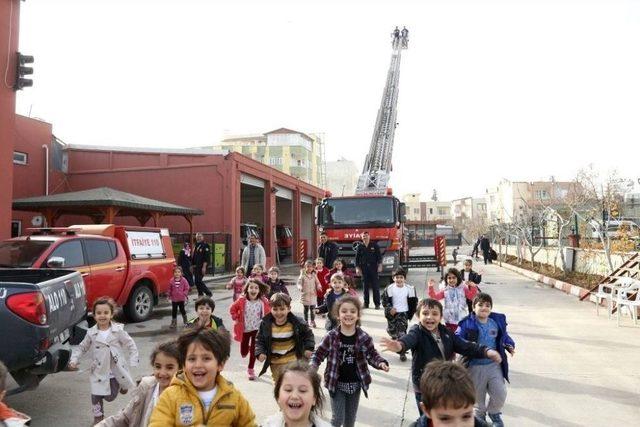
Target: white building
{"points": [[342, 177]]}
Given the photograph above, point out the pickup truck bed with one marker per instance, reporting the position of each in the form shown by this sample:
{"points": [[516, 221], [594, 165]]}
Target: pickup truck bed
{"points": [[42, 312]]}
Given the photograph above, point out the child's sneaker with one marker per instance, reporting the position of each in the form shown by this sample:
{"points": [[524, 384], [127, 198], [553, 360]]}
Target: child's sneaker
{"points": [[496, 420], [403, 357], [252, 374], [173, 324]]}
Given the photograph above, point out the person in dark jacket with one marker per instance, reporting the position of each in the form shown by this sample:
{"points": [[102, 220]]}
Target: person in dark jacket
{"points": [[430, 340], [447, 394], [489, 328], [337, 291], [485, 246], [294, 339], [201, 256], [184, 261], [276, 284], [368, 265], [468, 275], [327, 250]]}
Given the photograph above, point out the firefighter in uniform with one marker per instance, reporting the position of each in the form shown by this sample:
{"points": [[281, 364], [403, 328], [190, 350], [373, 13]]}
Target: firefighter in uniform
{"points": [[368, 265], [201, 256]]}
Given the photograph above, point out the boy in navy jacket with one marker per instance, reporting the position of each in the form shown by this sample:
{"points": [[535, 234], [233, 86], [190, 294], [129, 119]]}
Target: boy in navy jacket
{"points": [[488, 329]]}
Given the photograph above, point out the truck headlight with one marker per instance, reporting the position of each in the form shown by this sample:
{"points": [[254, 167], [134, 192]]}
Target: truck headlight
{"points": [[388, 260]]}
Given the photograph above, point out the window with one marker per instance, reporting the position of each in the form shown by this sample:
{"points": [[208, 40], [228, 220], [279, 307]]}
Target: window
{"points": [[16, 228], [275, 161], [416, 211], [20, 158], [99, 251], [430, 211], [443, 211], [542, 194], [71, 252]]}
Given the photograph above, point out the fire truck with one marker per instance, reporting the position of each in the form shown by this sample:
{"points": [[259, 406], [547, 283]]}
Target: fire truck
{"points": [[374, 208]]}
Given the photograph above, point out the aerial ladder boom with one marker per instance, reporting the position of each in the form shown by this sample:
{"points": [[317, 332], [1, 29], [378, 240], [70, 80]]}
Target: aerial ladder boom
{"points": [[377, 165]]}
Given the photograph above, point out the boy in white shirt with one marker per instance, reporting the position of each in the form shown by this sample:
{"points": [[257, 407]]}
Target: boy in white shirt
{"points": [[399, 300]]}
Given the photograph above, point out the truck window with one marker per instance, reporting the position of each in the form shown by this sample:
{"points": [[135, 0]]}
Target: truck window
{"points": [[22, 253], [71, 252], [99, 251]]}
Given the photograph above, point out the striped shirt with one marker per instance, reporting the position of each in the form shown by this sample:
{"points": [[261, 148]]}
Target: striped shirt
{"points": [[283, 349]]}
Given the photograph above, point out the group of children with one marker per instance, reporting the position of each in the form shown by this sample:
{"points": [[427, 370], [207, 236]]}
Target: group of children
{"points": [[187, 389]]}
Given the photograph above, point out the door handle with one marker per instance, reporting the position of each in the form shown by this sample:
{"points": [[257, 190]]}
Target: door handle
{"points": [[120, 268], [85, 274]]}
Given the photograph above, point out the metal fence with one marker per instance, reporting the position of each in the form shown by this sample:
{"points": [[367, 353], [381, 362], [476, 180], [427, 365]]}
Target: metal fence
{"points": [[220, 261]]}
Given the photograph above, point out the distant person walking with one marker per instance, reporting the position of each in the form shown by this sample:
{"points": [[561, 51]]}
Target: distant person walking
{"points": [[368, 265], [485, 246], [476, 245], [184, 261], [253, 254], [201, 257], [327, 250]]}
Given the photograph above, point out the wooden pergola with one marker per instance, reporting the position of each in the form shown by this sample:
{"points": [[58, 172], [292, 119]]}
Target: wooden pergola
{"points": [[103, 205]]}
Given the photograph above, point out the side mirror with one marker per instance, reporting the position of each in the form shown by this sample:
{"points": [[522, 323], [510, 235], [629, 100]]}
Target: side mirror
{"points": [[55, 262], [403, 212], [318, 214]]}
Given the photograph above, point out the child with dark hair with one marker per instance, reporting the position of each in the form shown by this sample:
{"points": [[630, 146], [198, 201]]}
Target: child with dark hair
{"points": [[321, 272], [299, 396], [282, 337], [455, 295], [309, 286], [469, 275], [399, 300], [347, 349], [430, 340], [275, 283], [199, 394], [337, 291], [247, 312], [165, 360], [237, 283], [488, 328], [204, 309], [338, 267], [10, 417], [447, 397], [178, 293], [111, 347]]}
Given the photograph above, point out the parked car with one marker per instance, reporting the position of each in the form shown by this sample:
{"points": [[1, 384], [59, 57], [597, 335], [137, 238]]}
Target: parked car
{"points": [[42, 312], [617, 228], [133, 265]]}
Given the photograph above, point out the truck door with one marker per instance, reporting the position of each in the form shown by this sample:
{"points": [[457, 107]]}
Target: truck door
{"points": [[108, 269]]}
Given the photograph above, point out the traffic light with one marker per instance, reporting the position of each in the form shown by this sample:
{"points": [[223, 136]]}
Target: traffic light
{"points": [[22, 71]]}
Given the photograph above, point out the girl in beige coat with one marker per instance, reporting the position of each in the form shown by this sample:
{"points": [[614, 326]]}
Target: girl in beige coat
{"points": [[165, 360], [309, 285], [108, 343]]}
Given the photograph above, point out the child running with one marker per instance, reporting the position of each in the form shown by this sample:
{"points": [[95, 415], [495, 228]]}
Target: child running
{"points": [[468, 275], [165, 360], [237, 283], [178, 293], [455, 295], [399, 300], [336, 292], [309, 285], [429, 340], [321, 273], [110, 346], [204, 309], [347, 349], [447, 397], [257, 272], [488, 328], [247, 312], [282, 337], [338, 267], [299, 396], [199, 395], [276, 284]]}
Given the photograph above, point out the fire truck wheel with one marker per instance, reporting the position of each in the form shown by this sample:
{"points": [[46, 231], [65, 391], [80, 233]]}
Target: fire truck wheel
{"points": [[140, 304]]}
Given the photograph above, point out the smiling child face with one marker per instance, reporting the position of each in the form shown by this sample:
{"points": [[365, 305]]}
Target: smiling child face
{"points": [[253, 290], [430, 318], [201, 367], [296, 397]]}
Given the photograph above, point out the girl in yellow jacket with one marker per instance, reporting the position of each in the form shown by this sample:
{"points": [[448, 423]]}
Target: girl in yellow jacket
{"points": [[199, 395]]}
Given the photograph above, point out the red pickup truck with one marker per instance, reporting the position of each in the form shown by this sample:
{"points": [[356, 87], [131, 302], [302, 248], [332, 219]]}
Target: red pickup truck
{"points": [[133, 265]]}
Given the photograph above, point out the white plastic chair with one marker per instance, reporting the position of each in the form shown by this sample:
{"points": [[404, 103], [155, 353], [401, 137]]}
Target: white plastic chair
{"points": [[610, 295], [622, 300]]}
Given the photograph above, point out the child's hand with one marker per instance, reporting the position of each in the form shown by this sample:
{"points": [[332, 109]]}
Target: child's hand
{"points": [[393, 311], [262, 357], [511, 350], [327, 293], [72, 366], [228, 286], [299, 287], [308, 354], [494, 355], [316, 311], [431, 283], [384, 367], [390, 345]]}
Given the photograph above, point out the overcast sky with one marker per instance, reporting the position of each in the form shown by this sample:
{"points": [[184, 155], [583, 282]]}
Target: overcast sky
{"points": [[504, 89]]}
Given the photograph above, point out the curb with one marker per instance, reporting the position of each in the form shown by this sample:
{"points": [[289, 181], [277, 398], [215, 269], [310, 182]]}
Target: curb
{"points": [[565, 287]]}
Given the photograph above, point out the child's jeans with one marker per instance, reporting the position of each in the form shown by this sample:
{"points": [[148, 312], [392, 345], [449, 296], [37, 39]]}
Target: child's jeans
{"points": [[248, 346], [97, 402], [344, 407], [174, 309], [488, 379], [309, 312]]}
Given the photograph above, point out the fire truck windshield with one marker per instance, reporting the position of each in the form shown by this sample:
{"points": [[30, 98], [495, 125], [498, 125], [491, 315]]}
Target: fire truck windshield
{"points": [[360, 211]]}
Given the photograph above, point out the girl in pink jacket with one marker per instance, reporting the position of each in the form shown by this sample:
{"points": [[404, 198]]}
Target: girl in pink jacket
{"points": [[178, 293]]}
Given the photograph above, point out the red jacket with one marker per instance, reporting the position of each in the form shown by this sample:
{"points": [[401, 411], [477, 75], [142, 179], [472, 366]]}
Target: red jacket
{"points": [[324, 283], [178, 291], [237, 314]]}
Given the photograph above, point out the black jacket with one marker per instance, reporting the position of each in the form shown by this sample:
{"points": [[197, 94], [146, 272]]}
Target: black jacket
{"points": [[473, 276], [387, 303], [328, 252], [424, 348], [302, 337], [369, 255], [485, 245]]}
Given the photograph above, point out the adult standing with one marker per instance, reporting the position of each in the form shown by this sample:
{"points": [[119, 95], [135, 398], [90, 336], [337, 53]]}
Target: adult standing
{"points": [[253, 254], [184, 261], [327, 250], [368, 265], [485, 246], [474, 252], [201, 256]]}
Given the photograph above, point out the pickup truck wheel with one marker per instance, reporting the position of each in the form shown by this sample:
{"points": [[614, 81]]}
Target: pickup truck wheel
{"points": [[140, 304]]}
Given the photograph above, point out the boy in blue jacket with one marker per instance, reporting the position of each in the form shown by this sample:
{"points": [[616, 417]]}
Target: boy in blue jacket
{"points": [[489, 329]]}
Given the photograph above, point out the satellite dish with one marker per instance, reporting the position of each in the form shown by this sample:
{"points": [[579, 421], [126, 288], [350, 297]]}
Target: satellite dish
{"points": [[37, 221]]}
